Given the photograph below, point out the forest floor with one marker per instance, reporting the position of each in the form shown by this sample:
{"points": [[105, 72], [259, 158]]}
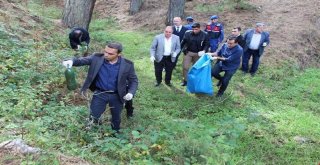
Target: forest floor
{"points": [[294, 28]]}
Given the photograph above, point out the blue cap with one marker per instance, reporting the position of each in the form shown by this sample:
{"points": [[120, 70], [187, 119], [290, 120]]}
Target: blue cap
{"points": [[189, 18], [214, 17], [259, 24]]}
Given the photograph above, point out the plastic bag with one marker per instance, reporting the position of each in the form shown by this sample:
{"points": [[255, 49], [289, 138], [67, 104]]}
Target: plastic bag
{"points": [[199, 76]]}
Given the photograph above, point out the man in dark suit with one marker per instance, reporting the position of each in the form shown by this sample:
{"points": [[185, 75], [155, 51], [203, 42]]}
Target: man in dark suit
{"points": [[178, 30], [77, 36], [108, 77]]}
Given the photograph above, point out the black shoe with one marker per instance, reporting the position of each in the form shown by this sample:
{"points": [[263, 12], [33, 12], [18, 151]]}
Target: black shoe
{"points": [[252, 74], [157, 84], [129, 116], [219, 94], [184, 83], [219, 83], [169, 84]]}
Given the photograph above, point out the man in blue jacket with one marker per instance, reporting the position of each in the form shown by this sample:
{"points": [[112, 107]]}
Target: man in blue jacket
{"points": [[215, 33], [228, 62], [113, 80], [256, 40]]}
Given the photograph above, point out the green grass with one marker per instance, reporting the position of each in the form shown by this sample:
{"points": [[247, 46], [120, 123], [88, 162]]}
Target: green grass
{"points": [[256, 122]]}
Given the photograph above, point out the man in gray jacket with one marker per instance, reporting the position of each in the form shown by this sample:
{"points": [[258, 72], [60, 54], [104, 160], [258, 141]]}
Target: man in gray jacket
{"points": [[164, 50], [255, 42], [108, 77]]}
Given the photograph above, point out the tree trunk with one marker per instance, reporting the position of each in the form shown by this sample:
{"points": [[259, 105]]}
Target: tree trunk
{"points": [[135, 6], [176, 9], [77, 13]]}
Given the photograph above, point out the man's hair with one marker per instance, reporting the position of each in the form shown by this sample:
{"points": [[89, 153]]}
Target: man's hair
{"points": [[239, 28], [195, 25], [233, 37], [115, 45]]}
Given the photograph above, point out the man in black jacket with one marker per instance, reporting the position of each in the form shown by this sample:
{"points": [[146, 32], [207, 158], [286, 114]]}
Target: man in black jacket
{"points": [[240, 40], [77, 36], [194, 44]]}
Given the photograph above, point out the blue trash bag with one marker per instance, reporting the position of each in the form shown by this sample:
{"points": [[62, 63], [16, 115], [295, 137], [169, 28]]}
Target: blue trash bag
{"points": [[199, 76]]}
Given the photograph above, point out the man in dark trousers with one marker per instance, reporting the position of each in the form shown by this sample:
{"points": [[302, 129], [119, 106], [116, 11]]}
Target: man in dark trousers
{"points": [[77, 36], [113, 80], [163, 54], [194, 44], [228, 62], [215, 32], [256, 40], [178, 30]]}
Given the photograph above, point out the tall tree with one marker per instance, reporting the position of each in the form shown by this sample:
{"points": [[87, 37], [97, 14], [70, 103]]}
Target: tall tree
{"points": [[176, 9], [77, 13], [135, 6]]}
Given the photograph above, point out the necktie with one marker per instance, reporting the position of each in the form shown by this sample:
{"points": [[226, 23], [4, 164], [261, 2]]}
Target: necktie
{"points": [[178, 29]]}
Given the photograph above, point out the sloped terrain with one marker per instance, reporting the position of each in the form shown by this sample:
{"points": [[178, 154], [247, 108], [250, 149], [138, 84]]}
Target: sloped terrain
{"points": [[293, 25]]}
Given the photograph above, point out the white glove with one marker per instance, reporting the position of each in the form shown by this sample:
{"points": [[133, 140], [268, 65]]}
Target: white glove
{"points": [[213, 58], [86, 48], [152, 59], [128, 96], [67, 63], [264, 44], [201, 53], [78, 47]]}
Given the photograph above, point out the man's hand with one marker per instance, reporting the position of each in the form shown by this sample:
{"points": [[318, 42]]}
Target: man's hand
{"points": [[152, 59], [213, 58], [264, 44], [128, 96], [78, 47], [67, 63], [85, 48], [201, 53]]}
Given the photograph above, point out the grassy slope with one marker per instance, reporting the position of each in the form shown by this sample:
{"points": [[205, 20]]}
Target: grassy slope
{"points": [[255, 123]]}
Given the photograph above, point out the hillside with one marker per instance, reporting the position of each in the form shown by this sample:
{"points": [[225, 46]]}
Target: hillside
{"points": [[272, 118], [293, 25]]}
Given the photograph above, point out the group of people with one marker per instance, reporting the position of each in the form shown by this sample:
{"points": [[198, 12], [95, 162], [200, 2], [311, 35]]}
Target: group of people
{"points": [[195, 42], [113, 80]]}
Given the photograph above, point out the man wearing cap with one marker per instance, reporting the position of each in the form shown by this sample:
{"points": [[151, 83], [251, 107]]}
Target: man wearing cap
{"points": [[108, 76], [256, 40], [188, 26], [194, 44], [77, 36], [179, 31], [215, 32], [163, 53]]}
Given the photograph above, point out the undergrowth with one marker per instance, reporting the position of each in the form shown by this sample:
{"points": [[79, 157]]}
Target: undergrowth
{"points": [[256, 122]]}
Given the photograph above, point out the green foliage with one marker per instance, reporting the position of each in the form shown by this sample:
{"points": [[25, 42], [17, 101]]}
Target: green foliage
{"points": [[227, 5], [254, 123]]}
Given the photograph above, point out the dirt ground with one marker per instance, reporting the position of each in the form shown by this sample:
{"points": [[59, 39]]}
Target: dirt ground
{"points": [[293, 24]]}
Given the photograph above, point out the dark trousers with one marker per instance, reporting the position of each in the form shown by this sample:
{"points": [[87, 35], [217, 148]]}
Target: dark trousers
{"points": [[177, 58], [168, 65], [215, 72], [98, 106], [255, 61], [129, 107], [214, 43]]}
